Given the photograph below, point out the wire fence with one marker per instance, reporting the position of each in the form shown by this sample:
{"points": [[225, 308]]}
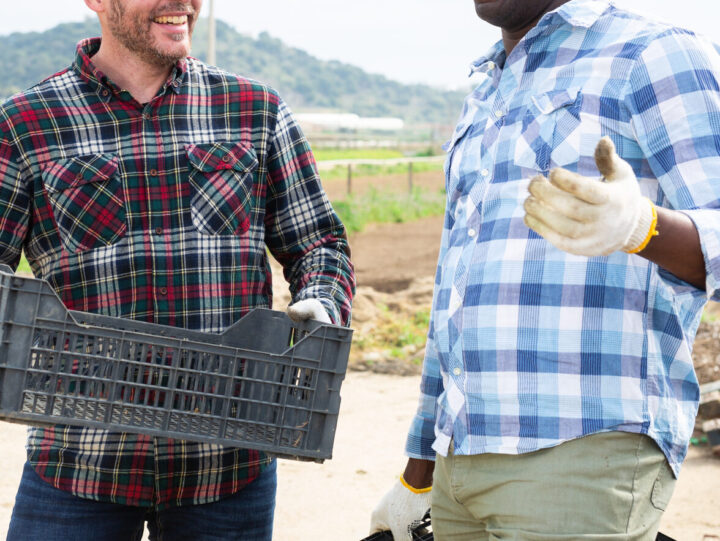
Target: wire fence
{"points": [[351, 167]]}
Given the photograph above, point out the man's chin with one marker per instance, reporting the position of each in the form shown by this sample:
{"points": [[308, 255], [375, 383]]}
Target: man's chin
{"points": [[485, 4], [487, 9], [171, 55]]}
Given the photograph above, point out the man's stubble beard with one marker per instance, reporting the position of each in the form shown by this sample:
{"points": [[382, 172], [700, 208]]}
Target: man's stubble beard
{"points": [[133, 32]]}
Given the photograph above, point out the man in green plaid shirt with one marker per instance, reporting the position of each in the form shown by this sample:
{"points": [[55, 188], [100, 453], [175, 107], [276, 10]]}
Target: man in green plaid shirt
{"points": [[144, 184]]}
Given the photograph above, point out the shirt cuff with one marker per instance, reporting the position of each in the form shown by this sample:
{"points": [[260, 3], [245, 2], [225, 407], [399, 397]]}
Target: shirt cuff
{"points": [[420, 439], [331, 307], [707, 222]]}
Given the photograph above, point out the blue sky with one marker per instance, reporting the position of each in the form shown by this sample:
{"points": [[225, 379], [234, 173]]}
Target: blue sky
{"points": [[428, 41]]}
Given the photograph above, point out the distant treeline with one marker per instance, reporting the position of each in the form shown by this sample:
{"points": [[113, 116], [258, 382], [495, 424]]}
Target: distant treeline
{"points": [[303, 80]]}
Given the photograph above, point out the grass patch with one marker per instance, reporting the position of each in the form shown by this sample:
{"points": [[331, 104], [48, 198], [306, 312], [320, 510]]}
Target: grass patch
{"points": [[369, 170], [325, 154], [399, 335], [710, 314], [380, 207]]}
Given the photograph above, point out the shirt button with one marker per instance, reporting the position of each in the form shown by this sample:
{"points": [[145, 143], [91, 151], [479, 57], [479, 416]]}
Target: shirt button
{"points": [[490, 66], [163, 291], [456, 371], [226, 158], [146, 116], [498, 114], [106, 93], [158, 230], [471, 232], [153, 172], [484, 172]]}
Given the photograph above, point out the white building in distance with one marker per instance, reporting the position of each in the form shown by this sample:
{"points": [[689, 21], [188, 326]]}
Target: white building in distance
{"points": [[348, 122]]}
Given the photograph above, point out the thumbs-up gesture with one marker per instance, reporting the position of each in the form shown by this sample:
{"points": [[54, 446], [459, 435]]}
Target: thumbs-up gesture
{"points": [[591, 216]]}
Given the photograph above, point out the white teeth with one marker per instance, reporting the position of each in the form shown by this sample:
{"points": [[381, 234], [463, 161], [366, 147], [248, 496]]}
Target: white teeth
{"points": [[181, 19]]}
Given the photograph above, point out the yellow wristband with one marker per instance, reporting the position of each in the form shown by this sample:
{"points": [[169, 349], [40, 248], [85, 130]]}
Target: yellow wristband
{"points": [[413, 489], [653, 232]]}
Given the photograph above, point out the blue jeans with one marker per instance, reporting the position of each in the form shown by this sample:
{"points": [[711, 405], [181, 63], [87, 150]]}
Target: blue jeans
{"points": [[44, 513]]}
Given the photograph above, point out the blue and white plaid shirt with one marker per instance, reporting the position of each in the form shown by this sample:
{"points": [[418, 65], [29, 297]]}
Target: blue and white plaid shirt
{"points": [[530, 346]]}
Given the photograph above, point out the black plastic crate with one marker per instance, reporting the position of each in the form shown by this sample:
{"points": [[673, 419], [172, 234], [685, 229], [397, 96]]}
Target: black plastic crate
{"points": [[421, 532], [266, 383]]}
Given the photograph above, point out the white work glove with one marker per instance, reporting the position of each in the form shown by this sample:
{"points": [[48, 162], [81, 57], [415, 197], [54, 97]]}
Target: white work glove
{"points": [[308, 309], [589, 216], [401, 510]]}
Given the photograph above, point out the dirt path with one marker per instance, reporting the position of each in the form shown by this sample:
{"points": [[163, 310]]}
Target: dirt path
{"points": [[333, 501], [319, 502]]}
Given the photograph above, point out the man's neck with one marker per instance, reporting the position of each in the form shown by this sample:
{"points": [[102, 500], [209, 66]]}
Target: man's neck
{"points": [[512, 37], [141, 79]]}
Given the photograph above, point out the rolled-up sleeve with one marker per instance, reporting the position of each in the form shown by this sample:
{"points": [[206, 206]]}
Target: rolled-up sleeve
{"points": [[674, 102], [706, 222]]}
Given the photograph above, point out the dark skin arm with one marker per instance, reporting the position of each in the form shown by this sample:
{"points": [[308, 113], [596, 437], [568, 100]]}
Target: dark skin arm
{"points": [[677, 247], [418, 473]]}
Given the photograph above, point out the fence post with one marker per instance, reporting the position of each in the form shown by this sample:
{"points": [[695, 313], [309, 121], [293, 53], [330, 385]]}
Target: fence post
{"points": [[349, 179], [410, 177]]}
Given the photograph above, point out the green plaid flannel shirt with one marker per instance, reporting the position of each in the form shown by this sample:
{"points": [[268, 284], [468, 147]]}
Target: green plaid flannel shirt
{"points": [[162, 212]]}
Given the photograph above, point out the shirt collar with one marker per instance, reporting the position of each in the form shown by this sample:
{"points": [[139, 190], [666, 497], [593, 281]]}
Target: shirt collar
{"points": [[577, 13], [100, 82], [495, 56]]}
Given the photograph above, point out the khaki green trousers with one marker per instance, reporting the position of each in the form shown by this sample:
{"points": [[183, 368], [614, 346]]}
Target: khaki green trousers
{"points": [[611, 485]]}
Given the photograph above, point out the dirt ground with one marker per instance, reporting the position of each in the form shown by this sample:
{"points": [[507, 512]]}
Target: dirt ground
{"points": [[337, 189], [395, 264], [333, 501], [390, 257]]}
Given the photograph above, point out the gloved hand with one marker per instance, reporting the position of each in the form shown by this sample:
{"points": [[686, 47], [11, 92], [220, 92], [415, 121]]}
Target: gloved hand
{"points": [[590, 216], [400, 511], [308, 309]]}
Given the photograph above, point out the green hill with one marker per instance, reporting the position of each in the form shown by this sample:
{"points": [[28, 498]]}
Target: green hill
{"points": [[303, 80]]}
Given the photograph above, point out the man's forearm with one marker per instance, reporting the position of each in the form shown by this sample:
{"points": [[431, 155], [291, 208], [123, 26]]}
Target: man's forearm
{"points": [[677, 247]]}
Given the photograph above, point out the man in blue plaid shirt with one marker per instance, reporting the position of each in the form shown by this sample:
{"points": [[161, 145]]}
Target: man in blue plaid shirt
{"points": [[581, 242]]}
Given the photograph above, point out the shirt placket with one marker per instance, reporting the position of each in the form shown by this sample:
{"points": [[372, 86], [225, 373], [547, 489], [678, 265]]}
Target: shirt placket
{"points": [[480, 156], [155, 230], [470, 211]]}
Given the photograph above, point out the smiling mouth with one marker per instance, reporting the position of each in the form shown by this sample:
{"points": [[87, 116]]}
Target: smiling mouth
{"points": [[174, 20]]}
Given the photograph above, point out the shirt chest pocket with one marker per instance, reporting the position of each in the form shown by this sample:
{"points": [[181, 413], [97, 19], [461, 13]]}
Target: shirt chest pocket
{"points": [[222, 179], [87, 200], [549, 135]]}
